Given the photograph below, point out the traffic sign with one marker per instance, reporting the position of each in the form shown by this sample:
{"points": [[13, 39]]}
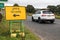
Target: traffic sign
{"points": [[15, 13], [1, 5]]}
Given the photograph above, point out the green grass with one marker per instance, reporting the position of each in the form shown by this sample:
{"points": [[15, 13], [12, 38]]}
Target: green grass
{"points": [[58, 17], [5, 35], [29, 14], [30, 35]]}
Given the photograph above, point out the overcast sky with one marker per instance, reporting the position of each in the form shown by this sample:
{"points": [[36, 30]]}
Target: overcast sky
{"points": [[35, 3]]}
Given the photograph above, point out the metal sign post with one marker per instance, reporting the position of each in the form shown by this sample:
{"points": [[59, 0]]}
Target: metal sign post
{"points": [[20, 30]]}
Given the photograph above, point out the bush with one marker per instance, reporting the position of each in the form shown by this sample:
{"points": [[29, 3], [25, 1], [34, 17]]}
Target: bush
{"points": [[1, 17]]}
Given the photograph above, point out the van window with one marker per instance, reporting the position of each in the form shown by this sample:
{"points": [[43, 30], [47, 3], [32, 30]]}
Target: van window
{"points": [[47, 12], [38, 12]]}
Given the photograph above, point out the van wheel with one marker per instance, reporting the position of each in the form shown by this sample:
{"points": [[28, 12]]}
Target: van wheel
{"points": [[39, 20], [33, 19], [51, 21]]}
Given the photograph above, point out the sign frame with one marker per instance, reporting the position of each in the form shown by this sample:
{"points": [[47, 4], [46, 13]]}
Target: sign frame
{"points": [[17, 6]]}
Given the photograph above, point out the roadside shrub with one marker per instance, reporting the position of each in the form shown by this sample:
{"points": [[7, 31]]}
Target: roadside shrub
{"points": [[1, 17]]}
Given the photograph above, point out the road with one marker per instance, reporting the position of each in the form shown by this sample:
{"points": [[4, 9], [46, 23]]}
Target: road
{"points": [[45, 30]]}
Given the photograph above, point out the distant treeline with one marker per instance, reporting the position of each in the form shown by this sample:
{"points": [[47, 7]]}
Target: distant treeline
{"points": [[54, 9]]}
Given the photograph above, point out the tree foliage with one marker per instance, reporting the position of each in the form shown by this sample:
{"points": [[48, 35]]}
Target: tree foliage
{"points": [[54, 9], [30, 9], [15, 4], [58, 9]]}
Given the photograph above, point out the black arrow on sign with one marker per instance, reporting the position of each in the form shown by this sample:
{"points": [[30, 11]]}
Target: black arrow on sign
{"points": [[15, 15]]}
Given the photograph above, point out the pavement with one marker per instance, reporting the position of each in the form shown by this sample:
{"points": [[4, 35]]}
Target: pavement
{"points": [[46, 31]]}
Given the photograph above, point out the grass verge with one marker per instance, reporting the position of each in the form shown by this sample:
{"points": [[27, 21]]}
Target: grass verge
{"points": [[29, 14], [4, 32], [30, 35], [58, 17]]}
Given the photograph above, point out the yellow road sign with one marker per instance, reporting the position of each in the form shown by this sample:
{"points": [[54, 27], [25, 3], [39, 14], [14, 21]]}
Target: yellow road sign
{"points": [[15, 13]]}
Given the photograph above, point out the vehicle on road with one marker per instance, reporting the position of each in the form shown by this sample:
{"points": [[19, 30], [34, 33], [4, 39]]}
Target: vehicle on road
{"points": [[43, 15]]}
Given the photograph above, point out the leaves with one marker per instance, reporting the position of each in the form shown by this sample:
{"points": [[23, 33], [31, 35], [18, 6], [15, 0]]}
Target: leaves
{"points": [[30, 9]]}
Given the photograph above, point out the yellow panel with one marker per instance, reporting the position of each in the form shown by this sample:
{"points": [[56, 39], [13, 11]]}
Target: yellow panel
{"points": [[15, 13]]}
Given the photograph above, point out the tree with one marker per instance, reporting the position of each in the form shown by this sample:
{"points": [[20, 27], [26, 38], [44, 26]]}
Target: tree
{"points": [[30, 9], [52, 8], [15, 4], [58, 9]]}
